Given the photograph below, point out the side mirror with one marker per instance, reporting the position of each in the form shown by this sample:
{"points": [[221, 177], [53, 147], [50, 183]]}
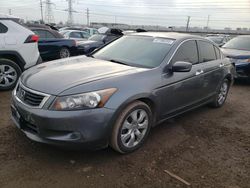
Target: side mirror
{"points": [[181, 66]]}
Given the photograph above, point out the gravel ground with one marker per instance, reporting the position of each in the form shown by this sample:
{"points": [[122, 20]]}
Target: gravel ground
{"points": [[206, 147]]}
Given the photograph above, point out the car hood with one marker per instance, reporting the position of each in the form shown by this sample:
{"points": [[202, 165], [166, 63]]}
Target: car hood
{"points": [[236, 54], [57, 76]]}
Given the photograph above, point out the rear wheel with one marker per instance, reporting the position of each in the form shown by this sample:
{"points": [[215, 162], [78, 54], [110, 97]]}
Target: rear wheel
{"points": [[64, 53], [131, 128], [221, 95], [9, 74]]}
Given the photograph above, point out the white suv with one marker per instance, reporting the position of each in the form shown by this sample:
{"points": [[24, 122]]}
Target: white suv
{"points": [[18, 51]]}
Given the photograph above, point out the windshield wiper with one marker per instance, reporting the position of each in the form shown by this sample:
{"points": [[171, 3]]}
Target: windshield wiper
{"points": [[118, 61]]}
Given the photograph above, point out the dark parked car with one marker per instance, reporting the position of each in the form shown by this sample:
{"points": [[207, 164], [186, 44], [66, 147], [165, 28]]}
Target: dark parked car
{"points": [[115, 96], [98, 40], [238, 50], [52, 45]]}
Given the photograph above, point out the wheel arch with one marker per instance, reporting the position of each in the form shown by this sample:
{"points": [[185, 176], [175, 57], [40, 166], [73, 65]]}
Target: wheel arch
{"points": [[146, 98], [13, 56]]}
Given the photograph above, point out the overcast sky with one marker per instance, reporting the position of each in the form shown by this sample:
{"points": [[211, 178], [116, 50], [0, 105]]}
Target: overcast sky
{"points": [[222, 13]]}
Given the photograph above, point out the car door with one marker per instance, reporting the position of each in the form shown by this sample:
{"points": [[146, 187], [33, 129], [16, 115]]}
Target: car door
{"points": [[181, 90], [211, 63]]}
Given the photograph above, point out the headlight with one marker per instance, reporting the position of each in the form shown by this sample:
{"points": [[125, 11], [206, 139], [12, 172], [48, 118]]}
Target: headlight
{"points": [[96, 99]]}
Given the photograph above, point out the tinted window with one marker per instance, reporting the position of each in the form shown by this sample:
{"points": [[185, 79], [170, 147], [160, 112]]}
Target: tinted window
{"points": [[3, 28], [136, 51], [187, 52], [206, 51], [217, 51], [239, 43], [43, 34], [75, 35], [85, 35]]}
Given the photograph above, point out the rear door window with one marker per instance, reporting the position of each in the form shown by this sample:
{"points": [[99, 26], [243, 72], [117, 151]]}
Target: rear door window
{"points": [[187, 52], [43, 34], [75, 35], [206, 51], [3, 28]]}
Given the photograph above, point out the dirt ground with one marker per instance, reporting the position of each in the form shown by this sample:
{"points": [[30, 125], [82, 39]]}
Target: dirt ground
{"points": [[206, 147]]}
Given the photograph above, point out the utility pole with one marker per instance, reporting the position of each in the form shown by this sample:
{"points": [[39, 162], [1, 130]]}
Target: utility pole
{"points": [[87, 16], [49, 17], [70, 12], [188, 21], [41, 7], [10, 11], [208, 19]]}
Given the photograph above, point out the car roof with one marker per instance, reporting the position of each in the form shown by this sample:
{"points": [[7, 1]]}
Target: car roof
{"points": [[172, 35], [3, 16], [72, 30], [55, 33]]}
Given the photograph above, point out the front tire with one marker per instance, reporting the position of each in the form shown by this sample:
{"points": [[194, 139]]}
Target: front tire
{"points": [[131, 128], [9, 74], [221, 95]]}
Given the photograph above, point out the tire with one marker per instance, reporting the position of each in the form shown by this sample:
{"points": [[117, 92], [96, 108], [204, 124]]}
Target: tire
{"points": [[64, 53], [127, 127], [221, 95], [9, 74]]}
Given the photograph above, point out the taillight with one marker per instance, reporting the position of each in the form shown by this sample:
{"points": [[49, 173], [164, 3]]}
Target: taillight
{"points": [[32, 38]]}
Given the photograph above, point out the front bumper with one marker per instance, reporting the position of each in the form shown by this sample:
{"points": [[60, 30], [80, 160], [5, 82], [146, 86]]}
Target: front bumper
{"points": [[88, 129]]}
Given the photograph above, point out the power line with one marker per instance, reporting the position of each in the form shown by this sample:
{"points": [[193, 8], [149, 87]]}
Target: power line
{"points": [[188, 21], [70, 12], [49, 17], [41, 8]]}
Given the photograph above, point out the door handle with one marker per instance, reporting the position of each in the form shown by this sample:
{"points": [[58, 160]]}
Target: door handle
{"points": [[221, 65], [199, 72]]}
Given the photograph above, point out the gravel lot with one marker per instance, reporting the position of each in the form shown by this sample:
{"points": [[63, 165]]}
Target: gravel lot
{"points": [[206, 147]]}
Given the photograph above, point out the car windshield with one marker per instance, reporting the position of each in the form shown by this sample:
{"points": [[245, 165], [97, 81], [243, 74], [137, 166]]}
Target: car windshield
{"points": [[97, 37], [217, 40], [239, 43], [141, 51]]}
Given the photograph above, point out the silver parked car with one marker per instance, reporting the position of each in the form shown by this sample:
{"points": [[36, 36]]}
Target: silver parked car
{"points": [[117, 94], [75, 34]]}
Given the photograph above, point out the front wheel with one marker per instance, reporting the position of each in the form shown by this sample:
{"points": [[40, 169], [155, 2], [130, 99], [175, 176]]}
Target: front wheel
{"points": [[9, 74], [64, 53], [131, 128], [221, 95]]}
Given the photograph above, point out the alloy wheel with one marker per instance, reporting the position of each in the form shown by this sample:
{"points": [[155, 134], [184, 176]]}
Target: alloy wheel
{"points": [[134, 128], [8, 75], [64, 53], [223, 93]]}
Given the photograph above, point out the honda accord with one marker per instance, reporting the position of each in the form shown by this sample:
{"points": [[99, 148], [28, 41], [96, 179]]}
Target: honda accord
{"points": [[117, 94]]}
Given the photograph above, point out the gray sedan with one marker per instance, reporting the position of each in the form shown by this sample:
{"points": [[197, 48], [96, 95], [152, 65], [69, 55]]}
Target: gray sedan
{"points": [[117, 94]]}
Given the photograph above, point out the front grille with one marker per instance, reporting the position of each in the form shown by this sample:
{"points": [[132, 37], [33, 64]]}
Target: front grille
{"points": [[28, 97]]}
